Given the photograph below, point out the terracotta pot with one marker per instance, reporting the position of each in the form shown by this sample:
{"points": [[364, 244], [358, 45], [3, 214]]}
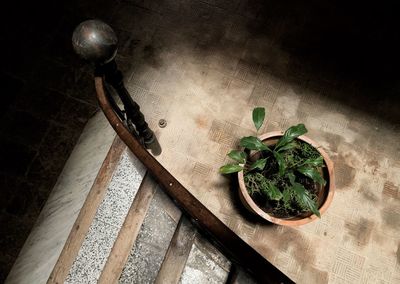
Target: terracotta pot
{"points": [[324, 198]]}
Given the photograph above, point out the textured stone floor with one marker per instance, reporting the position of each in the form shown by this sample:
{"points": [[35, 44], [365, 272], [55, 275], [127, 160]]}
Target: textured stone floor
{"points": [[204, 66]]}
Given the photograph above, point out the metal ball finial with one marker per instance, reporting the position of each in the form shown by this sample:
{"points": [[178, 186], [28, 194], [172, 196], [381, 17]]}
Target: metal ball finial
{"points": [[95, 41]]}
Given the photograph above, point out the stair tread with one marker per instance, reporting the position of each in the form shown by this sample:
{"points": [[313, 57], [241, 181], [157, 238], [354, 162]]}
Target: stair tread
{"points": [[201, 268], [107, 222], [153, 240]]}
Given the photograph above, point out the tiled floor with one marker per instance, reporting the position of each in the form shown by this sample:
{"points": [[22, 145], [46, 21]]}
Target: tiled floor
{"points": [[346, 55], [204, 66]]}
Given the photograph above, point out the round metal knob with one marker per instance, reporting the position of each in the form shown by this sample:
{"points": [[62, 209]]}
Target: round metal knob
{"points": [[95, 41]]}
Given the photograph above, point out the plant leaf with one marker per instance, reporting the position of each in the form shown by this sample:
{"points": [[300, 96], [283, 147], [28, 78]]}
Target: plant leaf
{"points": [[230, 168], [288, 146], [291, 177], [238, 156], [253, 143], [271, 191], [259, 164], [290, 134], [286, 194], [304, 199], [281, 163], [314, 162], [311, 173], [258, 117]]}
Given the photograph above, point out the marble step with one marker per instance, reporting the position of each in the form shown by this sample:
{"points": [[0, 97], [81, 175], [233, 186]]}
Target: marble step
{"points": [[149, 251], [167, 251], [96, 153], [108, 220], [136, 234]]}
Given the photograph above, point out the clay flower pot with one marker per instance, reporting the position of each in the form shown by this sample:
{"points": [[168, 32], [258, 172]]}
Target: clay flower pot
{"points": [[324, 198]]}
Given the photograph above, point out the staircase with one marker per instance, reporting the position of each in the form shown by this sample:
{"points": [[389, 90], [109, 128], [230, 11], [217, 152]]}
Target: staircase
{"points": [[108, 221], [137, 235]]}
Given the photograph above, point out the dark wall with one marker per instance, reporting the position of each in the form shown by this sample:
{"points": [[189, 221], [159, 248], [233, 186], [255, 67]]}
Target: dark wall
{"points": [[47, 97], [355, 41], [352, 44]]}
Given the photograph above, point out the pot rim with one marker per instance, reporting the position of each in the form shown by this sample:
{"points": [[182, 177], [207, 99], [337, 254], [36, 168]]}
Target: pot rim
{"points": [[294, 222]]}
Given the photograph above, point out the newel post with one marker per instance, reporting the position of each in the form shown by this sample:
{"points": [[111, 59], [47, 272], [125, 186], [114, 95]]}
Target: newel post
{"points": [[96, 42]]}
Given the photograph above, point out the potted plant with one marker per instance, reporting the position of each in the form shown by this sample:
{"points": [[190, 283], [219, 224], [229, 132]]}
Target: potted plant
{"points": [[284, 177]]}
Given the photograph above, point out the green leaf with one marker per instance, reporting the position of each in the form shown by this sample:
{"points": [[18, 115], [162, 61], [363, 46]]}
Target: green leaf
{"points": [[314, 162], [291, 177], [304, 199], [288, 146], [291, 134], [238, 156], [253, 143], [281, 163], [259, 164], [271, 191], [258, 117], [230, 168], [286, 194], [311, 173]]}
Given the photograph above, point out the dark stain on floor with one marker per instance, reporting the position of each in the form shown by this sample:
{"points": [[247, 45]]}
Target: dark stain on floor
{"points": [[391, 218], [367, 193], [345, 175], [333, 141], [390, 190], [287, 238], [360, 231], [398, 254], [201, 122], [317, 276], [373, 164], [370, 196]]}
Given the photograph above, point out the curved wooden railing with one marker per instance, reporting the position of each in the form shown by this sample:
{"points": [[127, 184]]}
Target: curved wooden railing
{"points": [[230, 243]]}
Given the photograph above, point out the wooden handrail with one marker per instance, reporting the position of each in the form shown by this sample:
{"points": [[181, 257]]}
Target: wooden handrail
{"points": [[231, 244]]}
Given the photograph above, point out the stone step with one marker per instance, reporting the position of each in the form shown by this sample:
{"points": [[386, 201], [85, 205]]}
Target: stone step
{"points": [[205, 264], [170, 252], [147, 253], [138, 235], [169, 249], [108, 221]]}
